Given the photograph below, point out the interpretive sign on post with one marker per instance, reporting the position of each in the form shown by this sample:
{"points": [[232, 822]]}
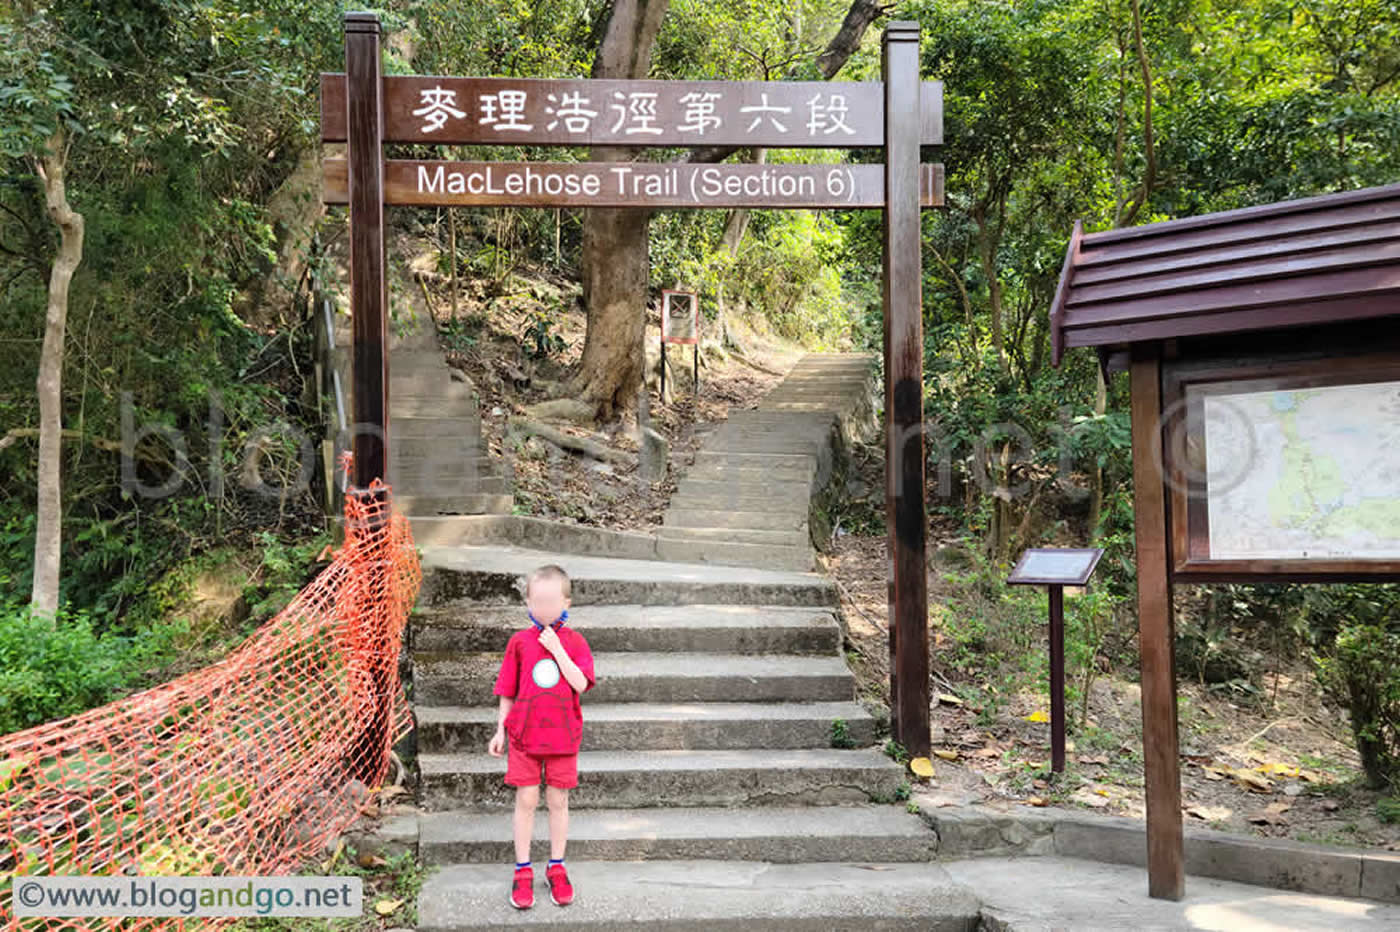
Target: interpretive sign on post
{"points": [[1056, 568], [366, 109]]}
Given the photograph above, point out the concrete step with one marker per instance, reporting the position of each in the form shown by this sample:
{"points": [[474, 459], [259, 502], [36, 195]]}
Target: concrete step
{"points": [[725, 535], [797, 493], [778, 834], [461, 575], [708, 896], [433, 426], [434, 406], [723, 553], [470, 503], [453, 678], [640, 779], [444, 476], [642, 726], [722, 629], [446, 487], [439, 442], [713, 471], [716, 516], [739, 459]]}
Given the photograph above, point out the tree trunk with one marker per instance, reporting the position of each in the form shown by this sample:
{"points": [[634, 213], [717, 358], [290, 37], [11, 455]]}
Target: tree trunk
{"points": [[48, 533], [614, 258]]}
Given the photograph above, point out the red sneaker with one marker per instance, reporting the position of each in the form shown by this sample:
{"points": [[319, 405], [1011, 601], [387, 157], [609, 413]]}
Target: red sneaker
{"points": [[560, 890], [522, 893]]}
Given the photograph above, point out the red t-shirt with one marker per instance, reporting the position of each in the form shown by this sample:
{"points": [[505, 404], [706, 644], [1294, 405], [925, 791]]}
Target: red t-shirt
{"points": [[547, 717]]}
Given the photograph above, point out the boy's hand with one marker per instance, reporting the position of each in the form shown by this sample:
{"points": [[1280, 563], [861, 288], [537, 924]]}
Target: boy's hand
{"points": [[549, 640], [497, 747]]}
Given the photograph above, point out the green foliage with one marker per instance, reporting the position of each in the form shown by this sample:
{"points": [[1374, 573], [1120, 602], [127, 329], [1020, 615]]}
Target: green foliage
{"points": [[539, 337], [51, 668], [841, 734], [896, 751], [1356, 668]]}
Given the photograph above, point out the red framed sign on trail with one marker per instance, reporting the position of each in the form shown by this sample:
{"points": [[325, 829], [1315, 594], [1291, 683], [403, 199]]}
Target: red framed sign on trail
{"points": [[366, 109]]}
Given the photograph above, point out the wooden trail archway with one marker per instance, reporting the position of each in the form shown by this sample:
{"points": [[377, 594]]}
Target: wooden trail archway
{"points": [[366, 109]]}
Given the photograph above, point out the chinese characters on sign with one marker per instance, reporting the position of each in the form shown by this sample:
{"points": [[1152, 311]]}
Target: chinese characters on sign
{"points": [[504, 111], [420, 108]]}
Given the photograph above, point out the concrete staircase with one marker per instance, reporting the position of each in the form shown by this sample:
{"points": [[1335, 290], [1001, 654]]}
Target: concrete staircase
{"points": [[437, 461], [751, 495], [710, 794]]}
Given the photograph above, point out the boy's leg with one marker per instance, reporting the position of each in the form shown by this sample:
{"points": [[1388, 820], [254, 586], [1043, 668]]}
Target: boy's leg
{"points": [[558, 799], [527, 800]]}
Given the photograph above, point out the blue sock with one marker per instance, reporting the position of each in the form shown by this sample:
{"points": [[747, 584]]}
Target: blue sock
{"points": [[556, 860], [520, 864]]}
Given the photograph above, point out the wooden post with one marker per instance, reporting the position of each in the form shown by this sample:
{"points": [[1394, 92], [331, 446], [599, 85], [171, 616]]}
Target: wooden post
{"points": [[1057, 679], [1161, 760], [904, 352], [369, 303], [370, 368]]}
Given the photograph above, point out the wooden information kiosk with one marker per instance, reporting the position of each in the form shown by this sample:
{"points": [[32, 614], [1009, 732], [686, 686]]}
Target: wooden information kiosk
{"points": [[366, 110], [1264, 351]]}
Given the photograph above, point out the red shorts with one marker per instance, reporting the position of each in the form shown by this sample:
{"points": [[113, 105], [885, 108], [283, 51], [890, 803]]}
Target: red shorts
{"points": [[523, 769]]}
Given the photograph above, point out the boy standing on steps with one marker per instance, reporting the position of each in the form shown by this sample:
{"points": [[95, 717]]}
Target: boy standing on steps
{"points": [[545, 668]]}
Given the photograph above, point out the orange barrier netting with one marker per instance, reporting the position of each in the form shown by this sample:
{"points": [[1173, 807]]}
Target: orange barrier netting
{"points": [[246, 767]]}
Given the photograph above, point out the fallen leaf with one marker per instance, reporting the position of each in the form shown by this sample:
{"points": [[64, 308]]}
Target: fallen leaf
{"points": [[1214, 773], [370, 860], [1039, 715], [1252, 781], [1209, 813], [1101, 791], [385, 907], [945, 754], [389, 792], [1039, 784], [922, 766], [875, 867], [1277, 770], [987, 752], [1037, 801], [1330, 805], [1092, 759], [1092, 800], [1311, 777], [949, 699]]}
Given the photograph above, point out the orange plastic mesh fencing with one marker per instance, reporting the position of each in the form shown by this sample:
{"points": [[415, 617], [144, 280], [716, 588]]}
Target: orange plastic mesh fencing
{"points": [[247, 767]]}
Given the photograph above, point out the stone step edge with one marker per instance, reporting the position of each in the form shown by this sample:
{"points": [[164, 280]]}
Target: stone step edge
{"points": [[980, 831]]}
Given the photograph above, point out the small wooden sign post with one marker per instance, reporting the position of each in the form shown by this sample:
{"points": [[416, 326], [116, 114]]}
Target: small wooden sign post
{"points": [[1056, 568], [680, 323], [897, 115]]}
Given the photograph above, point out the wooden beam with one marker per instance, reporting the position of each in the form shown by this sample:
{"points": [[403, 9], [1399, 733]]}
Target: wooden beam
{"points": [[369, 303], [904, 426], [1161, 760]]}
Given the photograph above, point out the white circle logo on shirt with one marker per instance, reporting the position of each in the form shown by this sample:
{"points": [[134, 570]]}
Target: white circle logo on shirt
{"points": [[546, 673]]}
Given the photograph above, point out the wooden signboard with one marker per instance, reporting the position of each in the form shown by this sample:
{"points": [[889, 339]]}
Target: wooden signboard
{"points": [[366, 109], [1283, 470], [629, 184]]}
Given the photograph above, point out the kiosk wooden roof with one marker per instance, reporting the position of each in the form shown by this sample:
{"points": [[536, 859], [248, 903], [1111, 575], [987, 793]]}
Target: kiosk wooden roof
{"points": [[1252, 298], [1319, 260]]}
